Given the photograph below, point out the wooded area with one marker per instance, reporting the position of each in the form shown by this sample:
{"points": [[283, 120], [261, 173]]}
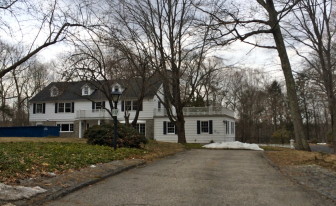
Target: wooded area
{"points": [[178, 41]]}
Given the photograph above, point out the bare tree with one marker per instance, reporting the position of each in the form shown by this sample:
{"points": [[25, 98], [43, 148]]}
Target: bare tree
{"points": [[52, 27], [270, 15], [172, 41], [315, 29]]}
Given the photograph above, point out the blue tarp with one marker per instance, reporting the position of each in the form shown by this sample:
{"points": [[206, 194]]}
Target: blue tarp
{"points": [[29, 131]]}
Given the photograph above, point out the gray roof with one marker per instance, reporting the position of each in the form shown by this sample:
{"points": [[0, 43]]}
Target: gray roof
{"points": [[70, 91]]}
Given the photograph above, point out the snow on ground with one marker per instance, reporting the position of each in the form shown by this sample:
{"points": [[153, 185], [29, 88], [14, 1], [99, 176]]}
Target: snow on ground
{"points": [[8, 192], [232, 145]]}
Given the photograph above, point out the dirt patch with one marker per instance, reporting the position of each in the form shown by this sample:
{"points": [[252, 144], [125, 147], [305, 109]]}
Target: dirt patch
{"points": [[288, 157]]}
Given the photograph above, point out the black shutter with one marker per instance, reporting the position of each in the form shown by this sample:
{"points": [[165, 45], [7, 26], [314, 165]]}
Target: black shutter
{"points": [[73, 107], [56, 105], [122, 106], [140, 105], [164, 127], [175, 129], [210, 126], [198, 127], [103, 105], [93, 105], [34, 108], [43, 108]]}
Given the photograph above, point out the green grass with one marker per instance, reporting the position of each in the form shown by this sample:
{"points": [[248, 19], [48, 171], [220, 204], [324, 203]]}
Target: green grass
{"points": [[193, 146], [27, 159]]}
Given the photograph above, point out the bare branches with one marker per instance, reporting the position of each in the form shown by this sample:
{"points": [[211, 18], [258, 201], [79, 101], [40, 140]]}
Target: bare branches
{"points": [[10, 4]]}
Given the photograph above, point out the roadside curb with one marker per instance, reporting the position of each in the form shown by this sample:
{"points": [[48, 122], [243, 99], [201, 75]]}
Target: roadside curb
{"points": [[92, 181], [120, 166]]}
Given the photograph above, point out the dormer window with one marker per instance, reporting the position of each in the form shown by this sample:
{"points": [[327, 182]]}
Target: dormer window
{"points": [[117, 88], [54, 92], [86, 90]]}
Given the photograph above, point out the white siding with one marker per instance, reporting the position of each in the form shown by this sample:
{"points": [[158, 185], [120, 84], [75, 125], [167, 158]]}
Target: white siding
{"points": [[219, 131], [50, 114]]}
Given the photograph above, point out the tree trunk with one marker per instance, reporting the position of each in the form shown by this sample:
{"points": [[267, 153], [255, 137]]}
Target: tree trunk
{"points": [[180, 126], [301, 142]]}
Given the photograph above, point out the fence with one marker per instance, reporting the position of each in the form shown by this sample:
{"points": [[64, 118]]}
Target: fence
{"points": [[29, 131]]}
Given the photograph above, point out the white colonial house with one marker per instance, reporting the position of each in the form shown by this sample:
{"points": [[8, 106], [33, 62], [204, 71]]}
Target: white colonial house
{"points": [[75, 106]]}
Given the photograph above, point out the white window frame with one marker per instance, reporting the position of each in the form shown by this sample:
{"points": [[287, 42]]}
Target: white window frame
{"points": [[227, 127], [232, 127], [54, 92], [86, 91], [70, 127], [141, 126], [205, 127], [65, 106], [37, 109], [171, 127]]}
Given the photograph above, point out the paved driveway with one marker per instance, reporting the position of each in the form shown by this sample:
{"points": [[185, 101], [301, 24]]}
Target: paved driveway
{"points": [[198, 177]]}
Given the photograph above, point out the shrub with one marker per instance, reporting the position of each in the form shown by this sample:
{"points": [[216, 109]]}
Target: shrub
{"points": [[104, 134], [281, 136]]}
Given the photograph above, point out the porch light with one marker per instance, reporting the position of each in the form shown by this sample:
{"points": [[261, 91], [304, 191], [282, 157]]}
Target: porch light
{"points": [[116, 93]]}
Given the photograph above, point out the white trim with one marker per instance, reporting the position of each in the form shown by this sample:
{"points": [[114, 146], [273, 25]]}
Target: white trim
{"points": [[139, 121]]}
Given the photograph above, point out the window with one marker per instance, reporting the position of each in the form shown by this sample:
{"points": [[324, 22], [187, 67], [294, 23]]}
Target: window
{"points": [[170, 128], [159, 105], [232, 127], [54, 92], [86, 90], [141, 128], [60, 107], [130, 105], [67, 107], [66, 127], [227, 127], [98, 105], [135, 105], [64, 107], [39, 108], [204, 127]]}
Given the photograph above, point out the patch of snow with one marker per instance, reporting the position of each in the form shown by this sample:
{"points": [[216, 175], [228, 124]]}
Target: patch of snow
{"points": [[93, 166], [232, 145], [8, 192], [51, 174], [322, 143]]}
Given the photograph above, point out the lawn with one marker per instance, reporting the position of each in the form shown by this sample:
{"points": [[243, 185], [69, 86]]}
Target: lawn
{"points": [[31, 157], [287, 157]]}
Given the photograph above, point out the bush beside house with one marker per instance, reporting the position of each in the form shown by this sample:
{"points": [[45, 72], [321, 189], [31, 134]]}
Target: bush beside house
{"points": [[104, 134]]}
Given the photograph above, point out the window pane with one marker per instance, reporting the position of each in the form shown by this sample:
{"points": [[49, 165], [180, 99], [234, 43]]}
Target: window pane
{"points": [[170, 128], [67, 107], [135, 105], [98, 105], [86, 90], [128, 105], [60, 107], [205, 127], [64, 127], [141, 128], [39, 108]]}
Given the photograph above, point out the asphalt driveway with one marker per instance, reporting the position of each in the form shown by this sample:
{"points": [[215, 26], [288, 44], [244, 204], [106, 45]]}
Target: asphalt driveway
{"points": [[198, 177]]}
